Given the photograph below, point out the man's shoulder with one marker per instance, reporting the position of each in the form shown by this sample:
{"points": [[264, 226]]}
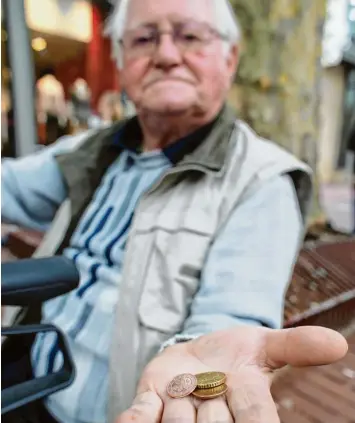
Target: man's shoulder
{"points": [[72, 143], [262, 152], [255, 161], [257, 145], [66, 144]]}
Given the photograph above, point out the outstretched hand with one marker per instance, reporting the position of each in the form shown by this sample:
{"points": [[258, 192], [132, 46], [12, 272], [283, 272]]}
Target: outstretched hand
{"points": [[248, 356]]}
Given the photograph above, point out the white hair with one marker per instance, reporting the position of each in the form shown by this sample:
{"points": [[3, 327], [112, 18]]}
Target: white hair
{"points": [[226, 23]]}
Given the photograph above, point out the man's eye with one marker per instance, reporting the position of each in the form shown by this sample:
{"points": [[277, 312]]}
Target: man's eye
{"points": [[190, 37], [143, 40]]}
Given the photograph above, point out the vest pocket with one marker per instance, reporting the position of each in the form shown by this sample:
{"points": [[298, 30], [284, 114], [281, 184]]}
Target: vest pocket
{"points": [[172, 278]]}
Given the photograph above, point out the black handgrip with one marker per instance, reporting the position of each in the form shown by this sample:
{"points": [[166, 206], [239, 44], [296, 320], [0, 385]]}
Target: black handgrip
{"points": [[33, 281], [32, 390]]}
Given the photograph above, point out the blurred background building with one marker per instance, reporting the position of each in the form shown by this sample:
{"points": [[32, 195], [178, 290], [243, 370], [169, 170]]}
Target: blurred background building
{"points": [[75, 80], [338, 89]]}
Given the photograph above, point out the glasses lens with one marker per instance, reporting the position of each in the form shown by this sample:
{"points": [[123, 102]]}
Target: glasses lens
{"points": [[192, 36], [140, 42]]}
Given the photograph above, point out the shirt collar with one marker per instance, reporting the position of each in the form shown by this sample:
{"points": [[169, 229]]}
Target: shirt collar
{"points": [[130, 137]]}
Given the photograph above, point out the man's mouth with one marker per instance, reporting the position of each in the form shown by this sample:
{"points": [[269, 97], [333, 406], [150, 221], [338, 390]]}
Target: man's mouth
{"points": [[160, 80]]}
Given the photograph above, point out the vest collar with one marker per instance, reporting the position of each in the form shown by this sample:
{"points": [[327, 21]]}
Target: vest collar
{"points": [[206, 147]]}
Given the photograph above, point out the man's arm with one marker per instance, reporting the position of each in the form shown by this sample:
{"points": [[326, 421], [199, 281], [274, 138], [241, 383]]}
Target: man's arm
{"points": [[32, 187], [250, 263], [243, 284]]}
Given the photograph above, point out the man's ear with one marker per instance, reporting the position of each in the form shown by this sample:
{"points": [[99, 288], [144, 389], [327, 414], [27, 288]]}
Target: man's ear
{"points": [[233, 61]]}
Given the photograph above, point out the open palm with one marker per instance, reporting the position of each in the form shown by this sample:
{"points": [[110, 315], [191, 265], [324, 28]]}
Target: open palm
{"points": [[248, 356]]}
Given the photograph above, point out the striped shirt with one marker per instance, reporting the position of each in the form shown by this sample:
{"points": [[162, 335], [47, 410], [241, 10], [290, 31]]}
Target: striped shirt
{"points": [[86, 315]]}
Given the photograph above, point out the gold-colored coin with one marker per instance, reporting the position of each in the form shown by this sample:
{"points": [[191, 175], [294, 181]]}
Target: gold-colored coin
{"points": [[210, 393], [210, 379]]}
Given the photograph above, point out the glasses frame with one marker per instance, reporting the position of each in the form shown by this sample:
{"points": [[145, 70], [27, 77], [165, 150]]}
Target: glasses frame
{"points": [[214, 34]]}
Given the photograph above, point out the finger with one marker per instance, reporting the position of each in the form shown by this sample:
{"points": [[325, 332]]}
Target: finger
{"points": [[179, 410], [304, 346], [214, 411], [250, 400], [146, 408]]}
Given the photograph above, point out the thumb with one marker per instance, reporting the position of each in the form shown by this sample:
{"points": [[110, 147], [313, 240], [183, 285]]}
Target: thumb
{"points": [[304, 346]]}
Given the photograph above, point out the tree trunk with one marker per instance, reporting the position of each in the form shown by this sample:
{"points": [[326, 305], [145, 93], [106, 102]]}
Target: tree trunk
{"points": [[277, 88]]}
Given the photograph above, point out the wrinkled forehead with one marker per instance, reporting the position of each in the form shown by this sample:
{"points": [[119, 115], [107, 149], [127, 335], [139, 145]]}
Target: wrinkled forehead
{"points": [[142, 12]]}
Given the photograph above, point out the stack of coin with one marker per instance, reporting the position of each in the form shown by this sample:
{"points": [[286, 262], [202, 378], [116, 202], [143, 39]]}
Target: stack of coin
{"points": [[210, 385], [203, 386]]}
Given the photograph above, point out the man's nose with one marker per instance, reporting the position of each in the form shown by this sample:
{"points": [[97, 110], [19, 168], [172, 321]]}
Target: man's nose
{"points": [[167, 54]]}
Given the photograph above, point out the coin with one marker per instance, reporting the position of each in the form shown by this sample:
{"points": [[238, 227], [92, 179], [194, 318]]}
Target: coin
{"points": [[182, 385], [210, 393], [210, 379]]}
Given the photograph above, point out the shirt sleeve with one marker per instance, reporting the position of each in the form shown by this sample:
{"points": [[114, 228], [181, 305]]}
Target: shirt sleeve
{"points": [[32, 187], [250, 263]]}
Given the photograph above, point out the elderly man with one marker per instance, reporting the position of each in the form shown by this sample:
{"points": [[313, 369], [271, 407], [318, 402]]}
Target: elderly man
{"points": [[185, 227]]}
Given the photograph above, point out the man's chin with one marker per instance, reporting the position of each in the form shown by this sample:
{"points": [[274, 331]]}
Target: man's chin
{"points": [[169, 107]]}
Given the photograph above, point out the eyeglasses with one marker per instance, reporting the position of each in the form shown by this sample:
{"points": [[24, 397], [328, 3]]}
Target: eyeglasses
{"points": [[188, 37]]}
